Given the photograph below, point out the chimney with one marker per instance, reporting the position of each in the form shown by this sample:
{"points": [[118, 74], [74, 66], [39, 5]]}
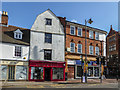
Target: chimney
{"points": [[111, 27], [4, 18]]}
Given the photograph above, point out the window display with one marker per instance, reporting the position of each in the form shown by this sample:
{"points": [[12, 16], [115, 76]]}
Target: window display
{"points": [[36, 73], [96, 71], [58, 73], [79, 71], [4, 72], [90, 71], [21, 72]]}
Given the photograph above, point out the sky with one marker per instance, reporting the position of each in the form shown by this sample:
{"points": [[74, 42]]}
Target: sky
{"points": [[103, 14]]}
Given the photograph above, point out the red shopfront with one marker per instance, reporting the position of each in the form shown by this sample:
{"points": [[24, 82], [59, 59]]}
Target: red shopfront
{"points": [[46, 71]]}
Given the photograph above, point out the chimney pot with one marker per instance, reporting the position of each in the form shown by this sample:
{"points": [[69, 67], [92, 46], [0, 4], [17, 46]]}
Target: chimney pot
{"points": [[4, 18]]}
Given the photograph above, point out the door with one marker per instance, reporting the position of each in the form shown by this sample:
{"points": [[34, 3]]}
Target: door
{"points": [[47, 74], [11, 73]]}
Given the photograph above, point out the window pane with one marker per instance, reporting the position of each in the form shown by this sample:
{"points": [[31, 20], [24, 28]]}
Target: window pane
{"points": [[36, 72], [96, 71], [91, 50], [91, 34], [18, 51], [58, 73], [97, 50], [72, 30], [48, 21], [96, 35], [48, 38], [79, 31], [72, 47], [79, 48], [79, 71], [48, 54], [90, 71], [3, 74], [21, 72]]}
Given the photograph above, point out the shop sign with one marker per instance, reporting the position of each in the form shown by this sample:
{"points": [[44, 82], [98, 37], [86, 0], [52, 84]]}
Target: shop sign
{"points": [[14, 63]]}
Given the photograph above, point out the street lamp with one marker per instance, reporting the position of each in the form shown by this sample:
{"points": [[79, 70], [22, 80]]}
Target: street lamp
{"points": [[86, 21]]}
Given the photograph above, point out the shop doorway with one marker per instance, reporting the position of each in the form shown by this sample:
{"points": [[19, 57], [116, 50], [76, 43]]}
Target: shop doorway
{"points": [[47, 74], [11, 73]]}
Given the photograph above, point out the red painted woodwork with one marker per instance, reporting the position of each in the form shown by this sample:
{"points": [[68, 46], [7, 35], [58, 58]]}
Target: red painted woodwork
{"points": [[44, 64]]}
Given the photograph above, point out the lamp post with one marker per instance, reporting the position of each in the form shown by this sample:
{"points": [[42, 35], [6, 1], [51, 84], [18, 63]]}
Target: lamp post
{"points": [[86, 21]]}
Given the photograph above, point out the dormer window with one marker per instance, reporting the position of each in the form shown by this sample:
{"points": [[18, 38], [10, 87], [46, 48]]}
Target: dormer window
{"points": [[18, 34]]}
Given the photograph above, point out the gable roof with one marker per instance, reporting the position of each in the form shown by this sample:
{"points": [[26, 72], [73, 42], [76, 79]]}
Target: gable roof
{"points": [[111, 32]]}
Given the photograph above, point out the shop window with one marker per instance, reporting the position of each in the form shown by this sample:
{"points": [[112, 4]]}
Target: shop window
{"points": [[72, 47], [58, 73], [37, 73], [72, 30], [79, 71], [48, 38], [79, 31], [79, 48], [21, 72], [90, 34], [47, 54], [97, 50], [18, 51], [96, 71], [3, 74], [48, 21], [90, 72]]}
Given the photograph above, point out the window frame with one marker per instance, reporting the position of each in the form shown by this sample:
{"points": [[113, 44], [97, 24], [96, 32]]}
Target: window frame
{"points": [[79, 29], [90, 31], [97, 50], [72, 47], [16, 55], [74, 30], [48, 23], [47, 39], [48, 58], [97, 35], [92, 50], [78, 48]]}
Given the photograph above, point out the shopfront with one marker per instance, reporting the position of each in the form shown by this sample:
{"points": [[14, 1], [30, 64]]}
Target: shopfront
{"points": [[14, 70], [92, 69], [46, 71]]}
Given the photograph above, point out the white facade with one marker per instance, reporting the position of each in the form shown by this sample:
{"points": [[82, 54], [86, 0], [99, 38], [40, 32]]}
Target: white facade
{"points": [[37, 40], [102, 37], [8, 51]]}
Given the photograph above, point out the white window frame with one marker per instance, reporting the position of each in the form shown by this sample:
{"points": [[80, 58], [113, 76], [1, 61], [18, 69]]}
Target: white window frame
{"points": [[96, 35], [18, 33], [78, 48], [79, 29], [91, 50], [74, 30], [91, 32], [72, 47], [96, 50], [14, 51]]}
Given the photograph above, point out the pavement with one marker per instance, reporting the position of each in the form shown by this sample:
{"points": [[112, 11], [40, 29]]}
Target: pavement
{"points": [[75, 83]]}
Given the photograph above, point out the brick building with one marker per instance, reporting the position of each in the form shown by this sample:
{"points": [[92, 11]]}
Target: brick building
{"points": [[112, 49], [75, 47]]}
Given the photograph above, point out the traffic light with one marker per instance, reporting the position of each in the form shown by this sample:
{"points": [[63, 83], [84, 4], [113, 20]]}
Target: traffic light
{"points": [[97, 60], [103, 60]]}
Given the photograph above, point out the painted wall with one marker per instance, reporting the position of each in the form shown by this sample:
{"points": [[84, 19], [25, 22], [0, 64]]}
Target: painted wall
{"points": [[37, 41], [8, 51], [103, 37]]}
